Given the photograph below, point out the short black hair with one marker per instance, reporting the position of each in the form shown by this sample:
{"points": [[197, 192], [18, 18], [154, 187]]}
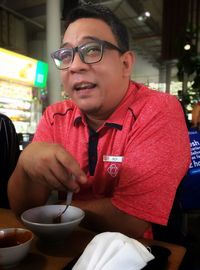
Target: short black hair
{"points": [[103, 13]]}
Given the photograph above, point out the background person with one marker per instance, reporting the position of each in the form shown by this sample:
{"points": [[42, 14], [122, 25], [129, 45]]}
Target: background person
{"points": [[196, 116], [126, 145]]}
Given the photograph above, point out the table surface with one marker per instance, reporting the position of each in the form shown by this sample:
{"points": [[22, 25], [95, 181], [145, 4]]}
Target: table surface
{"points": [[45, 256]]}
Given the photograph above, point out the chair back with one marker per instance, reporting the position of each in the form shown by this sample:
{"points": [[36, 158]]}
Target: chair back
{"points": [[9, 153], [187, 198]]}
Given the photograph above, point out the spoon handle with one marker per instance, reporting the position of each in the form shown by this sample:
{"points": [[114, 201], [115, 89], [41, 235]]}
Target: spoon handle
{"points": [[69, 197]]}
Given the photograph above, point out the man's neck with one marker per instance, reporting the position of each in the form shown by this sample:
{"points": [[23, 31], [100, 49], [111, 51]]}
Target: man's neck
{"points": [[94, 123]]}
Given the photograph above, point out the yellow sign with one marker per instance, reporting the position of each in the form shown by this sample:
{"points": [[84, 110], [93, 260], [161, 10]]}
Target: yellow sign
{"points": [[14, 66]]}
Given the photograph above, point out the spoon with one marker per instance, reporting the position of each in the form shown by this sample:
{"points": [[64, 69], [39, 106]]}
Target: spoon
{"points": [[57, 219]]}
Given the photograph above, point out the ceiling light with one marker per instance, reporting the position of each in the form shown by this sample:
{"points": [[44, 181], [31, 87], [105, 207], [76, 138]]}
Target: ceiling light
{"points": [[187, 47], [144, 16], [140, 18], [147, 13]]}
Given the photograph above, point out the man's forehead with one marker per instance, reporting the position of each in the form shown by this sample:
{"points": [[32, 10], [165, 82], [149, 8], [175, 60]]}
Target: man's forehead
{"points": [[87, 27], [83, 31]]}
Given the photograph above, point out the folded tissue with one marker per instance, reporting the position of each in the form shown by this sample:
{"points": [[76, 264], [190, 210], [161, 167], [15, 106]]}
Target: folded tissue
{"points": [[113, 251]]}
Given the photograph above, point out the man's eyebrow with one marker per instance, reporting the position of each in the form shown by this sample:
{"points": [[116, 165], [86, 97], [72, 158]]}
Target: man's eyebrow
{"points": [[91, 37], [63, 45], [83, 40]]}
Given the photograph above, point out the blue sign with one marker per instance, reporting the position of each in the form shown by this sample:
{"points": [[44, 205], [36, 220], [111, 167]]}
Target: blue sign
{"points": [[195, 151]]}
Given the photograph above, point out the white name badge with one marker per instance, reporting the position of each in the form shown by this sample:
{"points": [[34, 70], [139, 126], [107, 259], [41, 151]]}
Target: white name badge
{"points": [[113, 158]]}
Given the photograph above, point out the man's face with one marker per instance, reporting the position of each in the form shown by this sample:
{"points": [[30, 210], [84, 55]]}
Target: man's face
{"points": [[99, 87]]}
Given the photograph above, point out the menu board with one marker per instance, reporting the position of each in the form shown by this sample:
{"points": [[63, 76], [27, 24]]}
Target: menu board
{"points": [[195, 151], [22, 69]]}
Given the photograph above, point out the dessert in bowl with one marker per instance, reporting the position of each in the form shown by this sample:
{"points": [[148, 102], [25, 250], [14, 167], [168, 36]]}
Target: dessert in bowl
{"points": [[15, 243], [40, 220]]}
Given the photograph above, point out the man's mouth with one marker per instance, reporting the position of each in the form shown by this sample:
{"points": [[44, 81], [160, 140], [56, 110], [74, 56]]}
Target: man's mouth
{"points": [[84, 86]]}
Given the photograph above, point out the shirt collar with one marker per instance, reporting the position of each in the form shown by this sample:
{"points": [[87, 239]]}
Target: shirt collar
{"points": [[79, 117], [119, 114]]}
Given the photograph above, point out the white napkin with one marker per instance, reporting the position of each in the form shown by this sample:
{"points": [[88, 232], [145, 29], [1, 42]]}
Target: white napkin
{"points": [[113, 251]]}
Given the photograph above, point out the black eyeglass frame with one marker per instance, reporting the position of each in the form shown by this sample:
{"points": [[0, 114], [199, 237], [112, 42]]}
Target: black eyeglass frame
{"points": [[103, 43]]}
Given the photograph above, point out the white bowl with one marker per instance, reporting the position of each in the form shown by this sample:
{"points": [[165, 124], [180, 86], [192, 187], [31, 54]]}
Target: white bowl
{"points": [[40, 221], [15, 244]]}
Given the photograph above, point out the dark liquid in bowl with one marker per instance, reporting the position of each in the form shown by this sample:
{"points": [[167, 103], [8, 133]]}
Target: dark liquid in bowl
{"points": [[57, 219], [14, 238]]}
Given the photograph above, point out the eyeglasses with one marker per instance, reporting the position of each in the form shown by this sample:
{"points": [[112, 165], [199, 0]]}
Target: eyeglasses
{"points": [[89, 53]]}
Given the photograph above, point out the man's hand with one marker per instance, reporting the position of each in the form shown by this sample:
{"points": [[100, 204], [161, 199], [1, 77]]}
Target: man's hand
{"points": [[52, 165], [41, 168]]}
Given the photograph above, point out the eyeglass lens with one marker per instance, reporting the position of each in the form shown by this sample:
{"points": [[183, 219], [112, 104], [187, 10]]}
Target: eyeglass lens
{"points": [[89, 53]]}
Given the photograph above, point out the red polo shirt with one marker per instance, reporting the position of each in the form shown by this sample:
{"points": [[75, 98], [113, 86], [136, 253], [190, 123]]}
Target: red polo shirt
{"points": [[137, 157]]}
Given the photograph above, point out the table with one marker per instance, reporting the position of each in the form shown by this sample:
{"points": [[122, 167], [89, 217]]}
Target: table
{"points": [[45, 256]]}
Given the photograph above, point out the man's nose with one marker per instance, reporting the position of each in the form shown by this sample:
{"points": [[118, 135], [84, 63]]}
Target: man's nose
{"points": [[77, 62]]}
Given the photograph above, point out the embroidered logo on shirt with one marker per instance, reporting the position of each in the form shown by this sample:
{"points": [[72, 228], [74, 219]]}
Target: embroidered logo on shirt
{"points": [[113, 170]]}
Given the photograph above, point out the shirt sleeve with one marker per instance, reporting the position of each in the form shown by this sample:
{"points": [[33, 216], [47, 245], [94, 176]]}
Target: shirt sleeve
{"points": [[44, 131], [156, 158]]}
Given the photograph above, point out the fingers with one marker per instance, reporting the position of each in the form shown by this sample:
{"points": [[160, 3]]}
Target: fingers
{"points": [[71, 166], [53, 166], [63, 180]]}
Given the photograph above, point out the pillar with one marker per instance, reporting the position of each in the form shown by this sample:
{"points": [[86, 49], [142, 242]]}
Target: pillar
{"points": [[53, 39], [168, 76]]}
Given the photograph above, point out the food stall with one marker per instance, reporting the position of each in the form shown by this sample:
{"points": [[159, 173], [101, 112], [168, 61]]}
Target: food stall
{"points": [[22, 89]]}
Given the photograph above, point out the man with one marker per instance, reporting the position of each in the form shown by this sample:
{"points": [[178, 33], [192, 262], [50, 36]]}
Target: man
{"points": [[196, 115], [121, 147]]}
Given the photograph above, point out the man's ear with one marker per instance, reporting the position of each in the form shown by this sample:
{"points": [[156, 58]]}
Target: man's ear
{"points": [[128, 60]]}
